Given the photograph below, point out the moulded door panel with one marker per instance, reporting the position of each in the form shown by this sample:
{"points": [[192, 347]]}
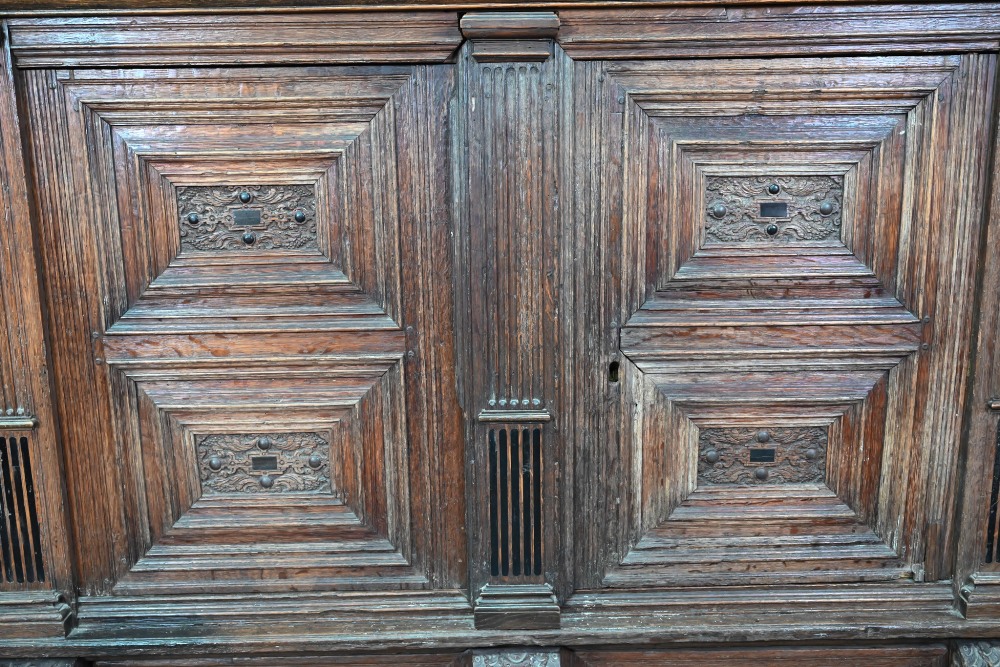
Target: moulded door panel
{"points": [[784, 269], [250, 311]]}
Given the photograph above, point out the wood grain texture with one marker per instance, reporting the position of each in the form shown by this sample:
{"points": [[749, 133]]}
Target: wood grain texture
{"points": [[166, 325], [512, 233], [904, 656], [228, 39], [721, 32], [36, 616], [410, 621], [26, 384], [64, 7], [709, 307], [975, 580], [509, 25], [507, 159], [415, 659]]}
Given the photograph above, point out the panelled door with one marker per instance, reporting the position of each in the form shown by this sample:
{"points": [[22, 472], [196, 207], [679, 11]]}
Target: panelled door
{"points": [[250, 317], [779, 273], [755, 308]]}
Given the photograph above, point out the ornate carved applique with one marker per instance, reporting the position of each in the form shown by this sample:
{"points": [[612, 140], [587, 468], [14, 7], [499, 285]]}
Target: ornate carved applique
{"points": [[264, 463], [976, 654], [517, 659], [780, 209], [280, 217], [762, 456]]}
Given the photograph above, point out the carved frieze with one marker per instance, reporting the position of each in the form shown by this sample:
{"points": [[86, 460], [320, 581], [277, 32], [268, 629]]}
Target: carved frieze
{"points": [[222, 218], [976, 654], [517, 659], [264, 463], [779, 209], [747, 456]]}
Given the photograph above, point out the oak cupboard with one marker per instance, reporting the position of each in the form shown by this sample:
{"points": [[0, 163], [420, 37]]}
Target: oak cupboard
{"points": [[499, 334]]}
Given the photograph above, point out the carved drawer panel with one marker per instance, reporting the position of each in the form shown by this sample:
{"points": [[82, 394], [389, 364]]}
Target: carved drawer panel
{"points": [[264, 463], [270, 416], [762, 456], [273, 217], [775, 209]]}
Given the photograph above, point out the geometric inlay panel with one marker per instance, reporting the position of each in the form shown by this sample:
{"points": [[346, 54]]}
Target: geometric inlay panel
{"points": [[264, 463], [778, 209], [748, 456], [216, 218]]}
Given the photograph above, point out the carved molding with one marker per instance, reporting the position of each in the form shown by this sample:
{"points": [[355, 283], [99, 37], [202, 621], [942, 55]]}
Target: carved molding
{"points": [[665, 32], [734, 209], [219, 218], [976, 654], [510, 36], [44, 662], [748, 456], [517, 659], [279, 37], [264, 463]]}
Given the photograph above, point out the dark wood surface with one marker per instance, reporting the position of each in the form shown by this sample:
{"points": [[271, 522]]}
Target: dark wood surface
{"points": [[653, 334], [185, 6]]}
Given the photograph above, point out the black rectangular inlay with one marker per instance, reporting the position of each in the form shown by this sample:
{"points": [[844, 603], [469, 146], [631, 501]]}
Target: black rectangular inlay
{"points": [[246, 216], [773, 209], [264, 462], [764, 455]]}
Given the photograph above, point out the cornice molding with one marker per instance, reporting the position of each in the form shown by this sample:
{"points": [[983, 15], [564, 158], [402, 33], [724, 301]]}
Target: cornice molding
{"points": [[788, 30], [106, 7], [234, 39], [360, 35]]}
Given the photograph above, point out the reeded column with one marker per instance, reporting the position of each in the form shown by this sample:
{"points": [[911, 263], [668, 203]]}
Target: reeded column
{"points": [[511, 78]]}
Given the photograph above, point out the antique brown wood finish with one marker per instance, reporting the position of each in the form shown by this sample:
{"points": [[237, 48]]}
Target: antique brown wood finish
{"points": [[33, 608], [509, 256], [647, 334], [837, 334], [240, 338]]}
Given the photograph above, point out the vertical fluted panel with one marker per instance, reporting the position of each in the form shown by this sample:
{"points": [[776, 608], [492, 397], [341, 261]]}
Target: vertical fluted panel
{"points": [[507, 219], [509, 258]]}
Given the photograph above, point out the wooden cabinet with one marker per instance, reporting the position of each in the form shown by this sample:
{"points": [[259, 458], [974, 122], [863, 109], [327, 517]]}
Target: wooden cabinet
{"points": [[638, 335]]}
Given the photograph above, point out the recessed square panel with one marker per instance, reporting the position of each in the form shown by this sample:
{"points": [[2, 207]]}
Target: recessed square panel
{"points": [[765, 479], [299, 463], [738, 211]]}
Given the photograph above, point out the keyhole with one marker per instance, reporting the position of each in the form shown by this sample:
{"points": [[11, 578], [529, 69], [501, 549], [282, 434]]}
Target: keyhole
{"points": [[613, 372]]}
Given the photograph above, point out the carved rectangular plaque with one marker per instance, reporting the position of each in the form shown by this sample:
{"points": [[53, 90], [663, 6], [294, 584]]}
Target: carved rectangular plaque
{"points": [[264, 463], [762, 456], [779, 209], [224, 218]]}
